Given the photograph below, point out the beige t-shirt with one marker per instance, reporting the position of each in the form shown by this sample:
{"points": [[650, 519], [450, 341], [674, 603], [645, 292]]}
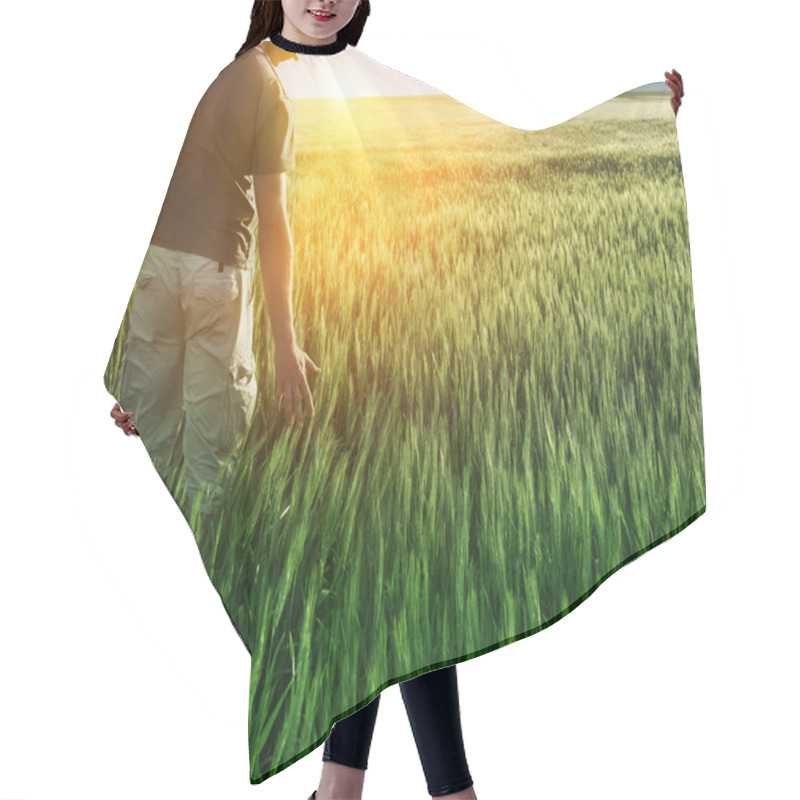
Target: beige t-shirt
{"points": [[243, 126]]}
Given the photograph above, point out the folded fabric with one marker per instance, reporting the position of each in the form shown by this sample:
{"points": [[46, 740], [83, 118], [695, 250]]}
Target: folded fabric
{"points": [[509, 407]]}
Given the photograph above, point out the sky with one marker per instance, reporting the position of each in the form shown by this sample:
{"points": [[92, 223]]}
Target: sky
{"points": [[352, 73]]}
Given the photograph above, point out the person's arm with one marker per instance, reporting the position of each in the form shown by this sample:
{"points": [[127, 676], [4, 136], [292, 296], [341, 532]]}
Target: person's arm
{"points": [[276, 256]]}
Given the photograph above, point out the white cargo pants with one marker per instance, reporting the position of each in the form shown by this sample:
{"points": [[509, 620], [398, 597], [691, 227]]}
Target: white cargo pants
{"points": [[188, 369]]}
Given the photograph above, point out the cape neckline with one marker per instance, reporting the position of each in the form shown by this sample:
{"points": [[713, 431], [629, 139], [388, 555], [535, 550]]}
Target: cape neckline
{"points": [[308, 49]]}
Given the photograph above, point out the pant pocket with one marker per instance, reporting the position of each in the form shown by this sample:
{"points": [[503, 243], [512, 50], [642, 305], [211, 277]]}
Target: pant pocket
{"points": [[218, 288], [150, 269]]}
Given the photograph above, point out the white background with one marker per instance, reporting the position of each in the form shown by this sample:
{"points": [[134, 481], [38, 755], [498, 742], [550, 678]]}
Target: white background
{"points": [[120, 674]]}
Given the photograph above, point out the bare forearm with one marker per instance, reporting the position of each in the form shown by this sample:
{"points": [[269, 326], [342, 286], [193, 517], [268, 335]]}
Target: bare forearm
{"points": [[276, 256]]}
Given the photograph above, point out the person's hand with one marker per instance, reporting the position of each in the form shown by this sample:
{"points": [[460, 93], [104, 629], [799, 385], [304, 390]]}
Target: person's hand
{"points": [[675, 82], [122, 419], [290, 382]]}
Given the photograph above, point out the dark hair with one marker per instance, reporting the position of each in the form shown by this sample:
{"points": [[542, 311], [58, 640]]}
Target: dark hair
{"points": [[266, 18]]}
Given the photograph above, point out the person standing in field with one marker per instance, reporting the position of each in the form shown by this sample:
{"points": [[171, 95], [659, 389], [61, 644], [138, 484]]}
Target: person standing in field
{"points": [[187, 369]]}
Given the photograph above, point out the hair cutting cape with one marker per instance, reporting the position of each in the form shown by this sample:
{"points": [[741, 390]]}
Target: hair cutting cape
{"points": [[509, 406]]}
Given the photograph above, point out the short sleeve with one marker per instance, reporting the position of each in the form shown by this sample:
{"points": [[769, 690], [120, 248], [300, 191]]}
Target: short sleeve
{"points": [[273, 146]]}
